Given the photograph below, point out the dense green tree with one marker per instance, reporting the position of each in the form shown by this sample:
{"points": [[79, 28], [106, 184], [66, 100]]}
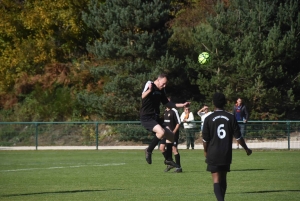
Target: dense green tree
{"points": [[131, 50], [254, 47]]}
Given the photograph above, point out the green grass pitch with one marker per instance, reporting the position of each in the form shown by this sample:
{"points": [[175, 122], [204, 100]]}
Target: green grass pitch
{"points": [[115, 175]]}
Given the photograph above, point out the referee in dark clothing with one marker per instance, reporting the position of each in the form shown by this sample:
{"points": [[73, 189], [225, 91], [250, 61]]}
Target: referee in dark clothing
{"points": [[219, 128], [152, 96]]}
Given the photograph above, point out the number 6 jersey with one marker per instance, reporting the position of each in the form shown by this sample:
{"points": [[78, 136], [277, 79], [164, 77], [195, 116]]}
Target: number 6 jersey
{"points": [[219, 128]]}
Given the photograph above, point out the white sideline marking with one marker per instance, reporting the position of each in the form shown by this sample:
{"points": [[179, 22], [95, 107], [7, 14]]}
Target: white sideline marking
{"points": [[50, 168]]}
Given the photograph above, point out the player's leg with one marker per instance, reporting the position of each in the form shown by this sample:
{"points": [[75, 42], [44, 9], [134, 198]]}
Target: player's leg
{"points": [[168, 134], [192, 138], [223, 182], [217, 187], [169, 160], [165, 149], [160, 132], [242, 129], [169, 150], [219, 175], [152, 125], [162, 148], [162, 145], [176, 153], [188, 138]]}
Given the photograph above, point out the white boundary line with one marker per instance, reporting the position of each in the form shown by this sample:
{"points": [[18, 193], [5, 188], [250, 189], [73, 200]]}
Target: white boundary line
{"points": [[51, 168]]}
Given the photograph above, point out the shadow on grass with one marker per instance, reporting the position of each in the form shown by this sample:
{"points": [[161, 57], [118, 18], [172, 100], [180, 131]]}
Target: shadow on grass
{"points": [[241, 170], [247, 170], [58, 192], [273, 191]]}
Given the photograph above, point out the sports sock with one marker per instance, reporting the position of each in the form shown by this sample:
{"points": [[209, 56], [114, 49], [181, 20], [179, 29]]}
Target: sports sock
{"points": [[223, 185], [169, 151], [218, 192], [153, 144], [177, 159], [165, 155]]}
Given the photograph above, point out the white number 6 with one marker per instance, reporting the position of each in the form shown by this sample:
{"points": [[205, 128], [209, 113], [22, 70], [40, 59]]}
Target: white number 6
{"points": [[221, 131]]}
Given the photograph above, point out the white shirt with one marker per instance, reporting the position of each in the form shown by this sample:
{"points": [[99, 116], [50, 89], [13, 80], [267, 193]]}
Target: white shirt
{"points": [[203, 115], [188, 123]]}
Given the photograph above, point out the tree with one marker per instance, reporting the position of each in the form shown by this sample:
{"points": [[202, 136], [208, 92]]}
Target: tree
{"points": [[131, 50], [254, 47], [34, 34]]}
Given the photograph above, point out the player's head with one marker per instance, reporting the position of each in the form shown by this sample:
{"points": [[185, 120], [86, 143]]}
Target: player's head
{"points": [[161, 81], [219, 100], [186, 109]]}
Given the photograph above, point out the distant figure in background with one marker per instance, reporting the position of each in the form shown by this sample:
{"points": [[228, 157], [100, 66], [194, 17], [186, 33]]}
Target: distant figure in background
{"points": [[187, 118], [203, 113], [241, 114], [218, 131]]}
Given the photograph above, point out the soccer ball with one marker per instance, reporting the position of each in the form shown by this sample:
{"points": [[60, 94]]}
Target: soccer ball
{"points": [[203, 58]]}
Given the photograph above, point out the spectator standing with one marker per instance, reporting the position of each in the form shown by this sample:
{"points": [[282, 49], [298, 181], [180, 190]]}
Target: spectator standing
{"points": [[203, 113], [241, 114], [187, 118]]}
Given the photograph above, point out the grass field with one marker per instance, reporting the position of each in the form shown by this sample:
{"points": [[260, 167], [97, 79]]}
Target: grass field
{"points": [[116, 175]]}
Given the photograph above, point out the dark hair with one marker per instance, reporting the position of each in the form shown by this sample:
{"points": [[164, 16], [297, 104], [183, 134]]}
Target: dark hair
{"points": [[162, 75], [219, 100]]}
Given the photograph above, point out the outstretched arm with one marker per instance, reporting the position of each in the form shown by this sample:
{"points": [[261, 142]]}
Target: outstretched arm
{"points": [[183, 104], [174, 105]]}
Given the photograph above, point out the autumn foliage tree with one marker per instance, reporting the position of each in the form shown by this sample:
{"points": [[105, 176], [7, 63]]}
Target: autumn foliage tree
{"points": [[35, 36]]}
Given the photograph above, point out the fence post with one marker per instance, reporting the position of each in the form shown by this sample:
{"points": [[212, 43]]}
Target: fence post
{"points": [[289, 135], [36, 136], [96, 130]]}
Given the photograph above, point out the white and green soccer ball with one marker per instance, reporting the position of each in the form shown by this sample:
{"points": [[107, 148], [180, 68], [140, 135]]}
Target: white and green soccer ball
{"points": [[203, 58]]}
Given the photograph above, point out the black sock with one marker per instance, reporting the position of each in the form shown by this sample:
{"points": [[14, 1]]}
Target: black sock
{"points": [[153, 144], [177, 159], [218, 192], [223, 185], [165, 155], [169, 151]]}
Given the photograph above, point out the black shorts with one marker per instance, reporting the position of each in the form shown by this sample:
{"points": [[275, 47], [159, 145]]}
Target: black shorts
{"points": [[149, 122], [218, 168], [175, 143]]}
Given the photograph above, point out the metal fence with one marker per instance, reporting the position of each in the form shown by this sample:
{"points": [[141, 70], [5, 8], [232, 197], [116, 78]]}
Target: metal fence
{"points": [[259, 134]]}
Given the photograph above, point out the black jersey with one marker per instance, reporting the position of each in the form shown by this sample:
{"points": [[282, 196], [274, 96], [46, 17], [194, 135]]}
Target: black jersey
{"points": [[218, 131], [171, 118], [151, 103]]}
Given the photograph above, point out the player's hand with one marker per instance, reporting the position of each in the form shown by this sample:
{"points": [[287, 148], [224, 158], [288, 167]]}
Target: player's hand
{"points": [[249, 152], [186, 104]]}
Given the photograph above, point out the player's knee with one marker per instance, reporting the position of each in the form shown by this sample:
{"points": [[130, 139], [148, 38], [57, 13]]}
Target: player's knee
{"points": [[162, 149], [159, 135]]}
